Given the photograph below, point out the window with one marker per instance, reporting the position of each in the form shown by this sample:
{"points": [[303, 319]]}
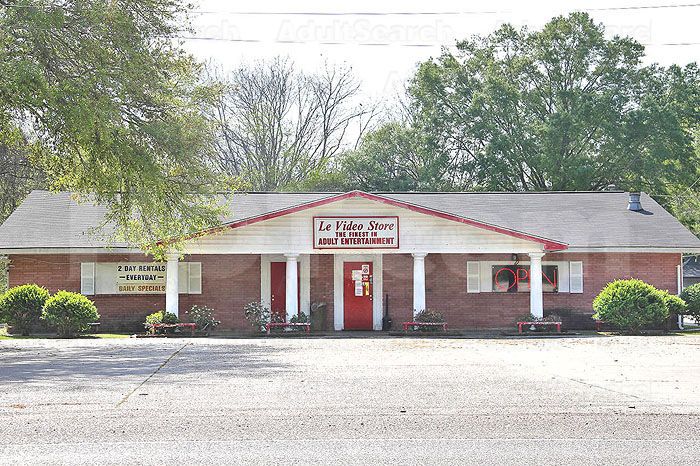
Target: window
{"points": [[87, 278], [516, 278]]}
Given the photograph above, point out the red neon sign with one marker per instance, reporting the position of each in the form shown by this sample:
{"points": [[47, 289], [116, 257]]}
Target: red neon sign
{"points": [[521, 275]]}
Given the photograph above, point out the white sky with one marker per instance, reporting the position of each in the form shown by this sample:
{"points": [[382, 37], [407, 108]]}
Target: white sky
{"points": [[383, 69]]}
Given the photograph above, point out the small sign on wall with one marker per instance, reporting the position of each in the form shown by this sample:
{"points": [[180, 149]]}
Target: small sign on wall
{"points": [[359, 289], [356, 232]]}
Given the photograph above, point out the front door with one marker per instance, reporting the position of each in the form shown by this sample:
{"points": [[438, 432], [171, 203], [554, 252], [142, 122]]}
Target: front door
{"points": [[357, 295], [278, 289]]}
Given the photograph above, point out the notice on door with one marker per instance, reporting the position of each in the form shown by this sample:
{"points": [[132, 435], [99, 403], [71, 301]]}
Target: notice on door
{"points": [[356, 232]]}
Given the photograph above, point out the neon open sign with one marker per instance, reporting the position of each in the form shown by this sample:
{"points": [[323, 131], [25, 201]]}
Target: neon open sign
{"points": [[509, 277]]}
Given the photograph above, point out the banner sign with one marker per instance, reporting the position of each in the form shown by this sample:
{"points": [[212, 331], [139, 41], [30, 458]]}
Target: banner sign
{"points": [[140, 277], [356, 232]]}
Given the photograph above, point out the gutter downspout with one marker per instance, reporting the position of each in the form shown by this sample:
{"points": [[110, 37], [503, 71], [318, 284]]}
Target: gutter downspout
{"points": [[679, 269]]}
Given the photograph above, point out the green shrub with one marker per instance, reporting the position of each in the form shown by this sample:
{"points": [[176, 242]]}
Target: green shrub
{"points": [[630, 305], [300, 318], [162, 317], [428, 315], [69, 313], [675, 304], [691, 296], [257, 314], [202, 316], [21, 306]]}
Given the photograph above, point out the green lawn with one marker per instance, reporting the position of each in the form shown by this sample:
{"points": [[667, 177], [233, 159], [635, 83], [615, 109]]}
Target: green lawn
{"points": [[5, 336]]}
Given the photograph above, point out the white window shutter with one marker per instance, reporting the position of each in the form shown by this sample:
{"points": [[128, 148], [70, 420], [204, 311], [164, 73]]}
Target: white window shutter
{"points": [[183, 277], [195, 278], [87, 278], [576, 277], [473, 278]]}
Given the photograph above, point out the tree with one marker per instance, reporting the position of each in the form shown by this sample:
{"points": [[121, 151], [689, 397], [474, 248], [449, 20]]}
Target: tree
{"points": [[395, 157], [18, 176], [109, 105], [562, 108], [277, 127]]}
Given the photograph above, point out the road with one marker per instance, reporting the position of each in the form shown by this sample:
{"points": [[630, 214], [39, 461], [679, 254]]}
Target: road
{"points": [[589, 400]]}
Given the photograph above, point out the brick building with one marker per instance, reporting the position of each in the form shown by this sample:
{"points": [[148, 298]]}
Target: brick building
{"points": [[470, 256]]}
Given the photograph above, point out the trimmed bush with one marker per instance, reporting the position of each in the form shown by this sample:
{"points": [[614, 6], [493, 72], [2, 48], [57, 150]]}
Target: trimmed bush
{"points": [[631, 305], [691, 296], [69, 313], [675, 304], [162, 317], [21, 306]]}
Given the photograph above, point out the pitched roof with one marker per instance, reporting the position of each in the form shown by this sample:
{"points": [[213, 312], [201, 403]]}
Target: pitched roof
{"points": [[579, 219]]}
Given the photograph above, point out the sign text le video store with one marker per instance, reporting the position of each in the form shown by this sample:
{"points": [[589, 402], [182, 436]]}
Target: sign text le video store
{"points": [[356, 232]]}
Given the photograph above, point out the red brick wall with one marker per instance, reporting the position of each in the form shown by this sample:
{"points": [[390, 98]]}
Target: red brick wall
{"points": [[322, 284], [446, 285], [228, 283], [231, 281], [398, 286]]}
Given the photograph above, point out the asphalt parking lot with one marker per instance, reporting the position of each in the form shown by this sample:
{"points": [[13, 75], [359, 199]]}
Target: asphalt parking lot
{"points": [[590, 400]]}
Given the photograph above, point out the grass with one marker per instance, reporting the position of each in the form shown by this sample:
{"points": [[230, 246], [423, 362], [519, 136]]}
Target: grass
{"points": [[102, 336]]}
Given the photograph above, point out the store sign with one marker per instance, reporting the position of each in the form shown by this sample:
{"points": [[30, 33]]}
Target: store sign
{"points": [[139, 277], [356, 232]]}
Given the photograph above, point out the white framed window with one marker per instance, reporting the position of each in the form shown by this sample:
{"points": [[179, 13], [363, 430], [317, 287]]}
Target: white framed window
{"points": [[575, 277], [87, 278], [189, 278], [195, 278], [500, 276], [473, 277]]}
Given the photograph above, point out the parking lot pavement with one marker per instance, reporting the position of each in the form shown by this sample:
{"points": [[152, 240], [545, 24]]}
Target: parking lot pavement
{"points": [[596, 400]]}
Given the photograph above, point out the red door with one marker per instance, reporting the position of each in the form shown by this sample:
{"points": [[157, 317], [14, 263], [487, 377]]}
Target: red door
{"points": [[278, 289], [357, 295]]}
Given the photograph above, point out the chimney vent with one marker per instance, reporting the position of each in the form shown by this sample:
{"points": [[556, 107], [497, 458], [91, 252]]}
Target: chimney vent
{"points": [[635, 204]]}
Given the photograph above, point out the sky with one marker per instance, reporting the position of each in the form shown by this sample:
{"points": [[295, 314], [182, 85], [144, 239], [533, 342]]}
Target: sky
{"points": [[383, 42]]}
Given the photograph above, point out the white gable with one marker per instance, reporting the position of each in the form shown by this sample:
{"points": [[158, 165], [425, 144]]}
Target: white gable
{"points": [[418, 232]]}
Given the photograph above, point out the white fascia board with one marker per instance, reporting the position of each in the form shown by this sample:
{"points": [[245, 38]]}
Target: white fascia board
{"points": [[638, 249], [71, 251]]}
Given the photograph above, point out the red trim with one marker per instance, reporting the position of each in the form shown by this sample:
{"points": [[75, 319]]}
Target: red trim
{"points": [[398, 232], [549, 245]]}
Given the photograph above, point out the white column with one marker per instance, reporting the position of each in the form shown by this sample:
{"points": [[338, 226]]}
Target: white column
{"points": [[291, 302], [418, 282], [536, 307], [171, 283]]}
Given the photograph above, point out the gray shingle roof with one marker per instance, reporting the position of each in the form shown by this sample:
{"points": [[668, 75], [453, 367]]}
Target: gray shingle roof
{"points": [[580, 219]]}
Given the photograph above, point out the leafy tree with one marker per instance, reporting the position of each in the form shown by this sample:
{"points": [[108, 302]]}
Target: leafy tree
{"points": [[109, 106], [396, 157], [21, 306], [562, 108]]}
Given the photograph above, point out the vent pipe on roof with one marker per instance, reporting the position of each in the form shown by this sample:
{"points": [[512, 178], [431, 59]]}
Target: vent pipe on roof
{"points": [[634, 204]]}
